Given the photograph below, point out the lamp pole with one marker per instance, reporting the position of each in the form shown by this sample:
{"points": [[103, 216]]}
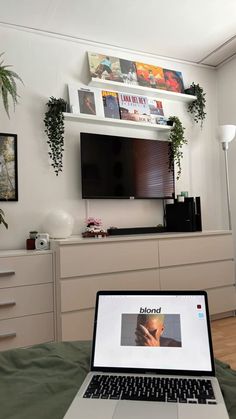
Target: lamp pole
{"points": [[225, 147]]}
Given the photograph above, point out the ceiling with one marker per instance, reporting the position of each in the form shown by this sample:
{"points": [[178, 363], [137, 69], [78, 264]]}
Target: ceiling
{"points": [[198, 31]]}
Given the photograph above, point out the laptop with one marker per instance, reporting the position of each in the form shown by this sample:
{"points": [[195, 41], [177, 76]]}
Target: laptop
{"points": [[151, 358]]}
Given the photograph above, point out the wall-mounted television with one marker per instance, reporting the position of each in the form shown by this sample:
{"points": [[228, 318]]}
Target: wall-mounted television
{"points": [[125, 168]]}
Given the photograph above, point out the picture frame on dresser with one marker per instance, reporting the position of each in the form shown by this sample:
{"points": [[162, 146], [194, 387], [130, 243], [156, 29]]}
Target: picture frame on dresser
{"points": [[8, 167]]}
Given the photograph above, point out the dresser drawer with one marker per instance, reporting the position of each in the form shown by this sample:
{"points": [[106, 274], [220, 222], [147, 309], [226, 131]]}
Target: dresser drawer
{"points": [[197, 276], [180, 251], [80, 293], [23, 270], [95, 258], [77, 325], [26, 331], [222, 300], [26, 300]]}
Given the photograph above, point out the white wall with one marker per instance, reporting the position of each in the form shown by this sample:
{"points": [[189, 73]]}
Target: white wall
{"points": [[227, 115], [47, 64]]}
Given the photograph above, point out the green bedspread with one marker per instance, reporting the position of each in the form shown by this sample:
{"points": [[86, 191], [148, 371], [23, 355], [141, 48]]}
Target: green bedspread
{"points": [[40, 382]]}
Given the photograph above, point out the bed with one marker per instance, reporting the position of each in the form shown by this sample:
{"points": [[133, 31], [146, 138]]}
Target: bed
{"points": [[40, 382]]}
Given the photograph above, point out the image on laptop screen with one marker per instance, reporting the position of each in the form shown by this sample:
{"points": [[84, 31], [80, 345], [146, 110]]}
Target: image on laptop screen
{"points": [[152, 332]]}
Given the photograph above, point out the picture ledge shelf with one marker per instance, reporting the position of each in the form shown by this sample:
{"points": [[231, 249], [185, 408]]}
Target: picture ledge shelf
{"points": [[111, 121], [148, 91]]}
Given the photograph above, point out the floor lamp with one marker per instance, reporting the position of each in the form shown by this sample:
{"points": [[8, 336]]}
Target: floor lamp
{"points": [[226, 135]]}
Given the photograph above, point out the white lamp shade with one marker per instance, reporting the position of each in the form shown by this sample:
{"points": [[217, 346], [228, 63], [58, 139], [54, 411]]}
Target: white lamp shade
{"points": [[226, 133], [58, 224]]}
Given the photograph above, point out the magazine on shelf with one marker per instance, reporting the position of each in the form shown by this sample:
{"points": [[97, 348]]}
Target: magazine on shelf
{"points": [[150, 76], [110, 104], [173, 81], [156, 109], [134, 107], [104, 67], [128, 72], [84, 100]]}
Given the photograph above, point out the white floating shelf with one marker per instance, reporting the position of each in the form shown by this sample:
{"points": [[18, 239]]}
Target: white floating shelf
{"points": [[136, 89], [111, 121]]}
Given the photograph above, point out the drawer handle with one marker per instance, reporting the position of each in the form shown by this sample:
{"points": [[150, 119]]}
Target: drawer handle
{"points": [[7, 335], [7, 273], [7, 303]]}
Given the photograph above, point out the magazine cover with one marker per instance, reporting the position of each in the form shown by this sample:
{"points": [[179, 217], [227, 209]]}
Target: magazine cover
{"points": [[134, 108], [150, 76], [128, 72], [104, 67], [173, 80], [110, 104]]}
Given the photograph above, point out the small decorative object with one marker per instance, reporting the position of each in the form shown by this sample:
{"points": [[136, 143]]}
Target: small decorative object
{"points": [[42, 241], [8, 167], [54, 123], [8, 85], [197, 107], [177, 140], [2, 219], [94, 228], [30, 242], [59, 224], [33, 234]]}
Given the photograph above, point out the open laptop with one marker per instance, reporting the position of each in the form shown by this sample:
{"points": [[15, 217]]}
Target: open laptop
{"points": [[151, 358]]}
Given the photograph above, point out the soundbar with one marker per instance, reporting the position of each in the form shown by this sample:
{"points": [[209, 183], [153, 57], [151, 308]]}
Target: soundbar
{"points": [[113, 231]]}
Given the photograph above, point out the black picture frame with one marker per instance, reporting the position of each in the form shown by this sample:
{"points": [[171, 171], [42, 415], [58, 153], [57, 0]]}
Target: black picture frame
{"points": [[8, 167]]}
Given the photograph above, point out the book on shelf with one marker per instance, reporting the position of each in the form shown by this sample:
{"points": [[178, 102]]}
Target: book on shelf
{"points": [[104, 67], [110, 104], [134, 108], [150, 76]]}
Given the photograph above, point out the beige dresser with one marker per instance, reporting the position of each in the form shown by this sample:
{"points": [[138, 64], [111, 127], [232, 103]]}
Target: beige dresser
{"points": [[26, 298], [145, 262]]}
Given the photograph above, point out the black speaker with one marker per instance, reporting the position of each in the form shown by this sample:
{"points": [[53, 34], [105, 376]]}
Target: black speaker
{"points": [[183, 216], [198, 214]]}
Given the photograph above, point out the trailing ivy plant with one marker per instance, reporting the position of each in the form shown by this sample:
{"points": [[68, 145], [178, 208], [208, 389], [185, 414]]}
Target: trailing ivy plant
{"points": [[54, 123], [2, 218], [197, 107], [177, 140], [8, 85]]}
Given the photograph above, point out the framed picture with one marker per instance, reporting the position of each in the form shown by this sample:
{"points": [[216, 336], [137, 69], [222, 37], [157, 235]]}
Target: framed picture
{"points": [[85, 101], [8, 167]]}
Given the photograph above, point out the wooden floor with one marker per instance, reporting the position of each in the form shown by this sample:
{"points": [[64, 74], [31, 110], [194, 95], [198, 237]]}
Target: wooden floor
{"points": [[224, 340]]}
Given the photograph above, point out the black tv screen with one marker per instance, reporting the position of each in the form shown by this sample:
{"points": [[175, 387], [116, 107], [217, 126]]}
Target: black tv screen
{"points": [[121, 167]]}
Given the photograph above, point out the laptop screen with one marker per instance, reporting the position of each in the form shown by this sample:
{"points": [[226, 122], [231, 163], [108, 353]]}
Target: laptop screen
{"points": [[150, 331]]}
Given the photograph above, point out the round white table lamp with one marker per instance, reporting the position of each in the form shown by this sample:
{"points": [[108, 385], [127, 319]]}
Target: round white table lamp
{"points": [[58, 224]]}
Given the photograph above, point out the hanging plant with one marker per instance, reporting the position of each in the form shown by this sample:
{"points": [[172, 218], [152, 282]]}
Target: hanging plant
{"points": [[197, 107], [54, 123], [177, 140], [8, 85], [2, 219]]}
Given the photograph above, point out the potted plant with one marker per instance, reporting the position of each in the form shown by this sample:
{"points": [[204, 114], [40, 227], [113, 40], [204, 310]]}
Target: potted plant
{"points": [[177, 140], [197, 107], [8, 85], [2, 219], [54, 123]]}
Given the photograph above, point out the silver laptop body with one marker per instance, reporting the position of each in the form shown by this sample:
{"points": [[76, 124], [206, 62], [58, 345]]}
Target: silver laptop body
{"points": [[163, 336]]}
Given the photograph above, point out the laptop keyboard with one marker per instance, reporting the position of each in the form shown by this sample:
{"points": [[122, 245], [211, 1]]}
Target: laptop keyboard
{"points": [[155, 389]]}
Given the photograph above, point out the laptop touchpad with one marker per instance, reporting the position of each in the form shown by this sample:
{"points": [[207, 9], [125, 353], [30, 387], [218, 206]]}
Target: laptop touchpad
{"points": [[140, 410]]}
